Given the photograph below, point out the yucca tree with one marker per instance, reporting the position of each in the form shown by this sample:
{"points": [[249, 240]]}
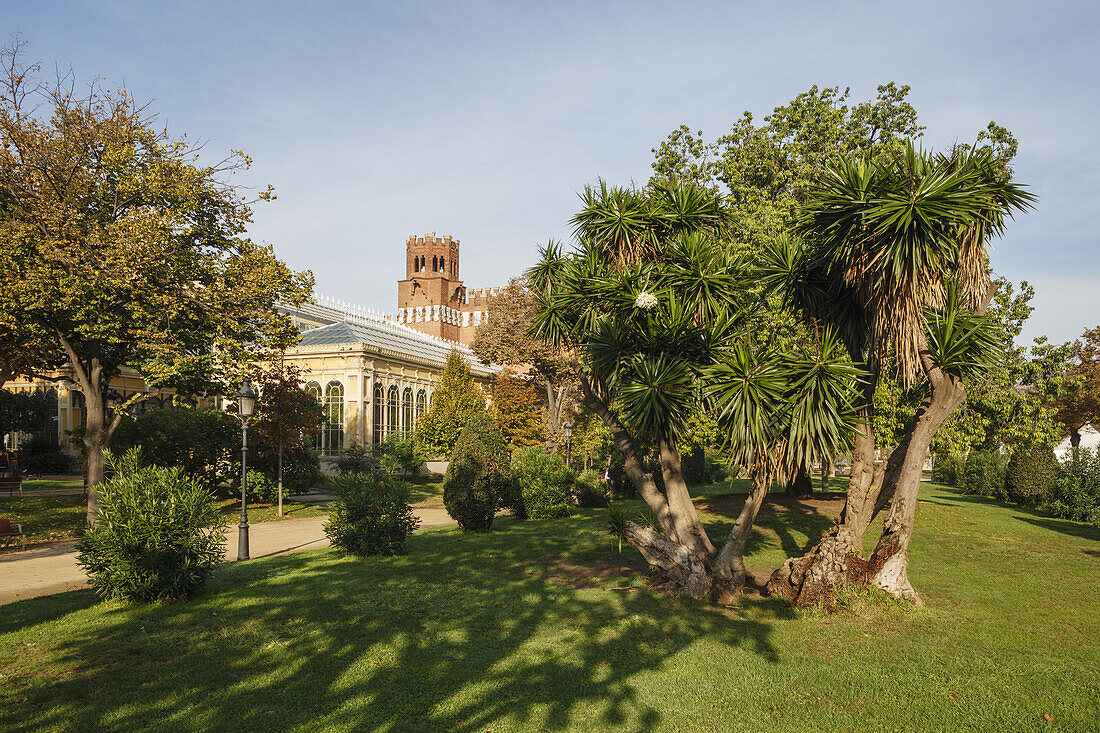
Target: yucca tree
{"points": [[893, 249], [653, 310]]}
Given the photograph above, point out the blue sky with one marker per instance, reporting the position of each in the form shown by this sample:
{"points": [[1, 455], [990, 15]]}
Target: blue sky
{"points": [[375, 121]]}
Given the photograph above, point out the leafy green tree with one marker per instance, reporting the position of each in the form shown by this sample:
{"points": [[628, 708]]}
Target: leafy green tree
{"points": [[123, 250], [517, 409], [21, 411], [287, 417], [1078, 404], [651, 307], [479, 479], [897, 252], [455, 401], [205, 444]]}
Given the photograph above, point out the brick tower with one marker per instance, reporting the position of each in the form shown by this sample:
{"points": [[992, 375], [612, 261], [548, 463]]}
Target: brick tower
{"points": [[432, 297]]}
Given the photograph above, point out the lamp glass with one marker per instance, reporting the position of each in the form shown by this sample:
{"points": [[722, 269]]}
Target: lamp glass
{"points": [[246, 400], [568, 430]]}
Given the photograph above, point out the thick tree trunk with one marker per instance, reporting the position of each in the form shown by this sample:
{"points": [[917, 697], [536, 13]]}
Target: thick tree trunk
{"points": [[688, 529], [890, 559], [801, 486], [828, 470], [679, 573], [838, 556], [730, 565]]}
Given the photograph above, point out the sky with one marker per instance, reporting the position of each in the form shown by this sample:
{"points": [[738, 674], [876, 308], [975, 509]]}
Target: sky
{"points": [[375, 121]]}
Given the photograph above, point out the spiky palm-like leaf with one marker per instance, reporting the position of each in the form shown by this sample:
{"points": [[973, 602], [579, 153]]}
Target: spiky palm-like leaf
{"points": [[961, 342]]}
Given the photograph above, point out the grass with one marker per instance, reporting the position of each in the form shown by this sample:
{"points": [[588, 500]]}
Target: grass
{"points": [[501, 632], [55, 518], [425, 489]]}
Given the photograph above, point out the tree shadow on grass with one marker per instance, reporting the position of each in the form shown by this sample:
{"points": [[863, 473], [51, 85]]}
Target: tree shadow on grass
{"points": [[788, 517], [466, 632], [1064, 526]]}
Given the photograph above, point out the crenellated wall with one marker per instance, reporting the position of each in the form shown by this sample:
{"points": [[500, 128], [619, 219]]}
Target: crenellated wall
{"points": [[432, 298]]}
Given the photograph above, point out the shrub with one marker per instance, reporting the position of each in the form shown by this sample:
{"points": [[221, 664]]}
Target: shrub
{"points": [[545, 482], [1031, 474], [616, 523], [371, 515], [401, 454], [42, 456], [157, 534], [589, 489], [357, 459], [204, 443], [948, 470], [1076, 493], [301, 466], [983, 474], [478, 479]]}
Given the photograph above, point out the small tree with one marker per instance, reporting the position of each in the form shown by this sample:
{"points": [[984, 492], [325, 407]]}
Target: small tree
{"points": [[122, 249], [456, 400], [478, 480], [21, 411], [286, 413], [518, 411]]}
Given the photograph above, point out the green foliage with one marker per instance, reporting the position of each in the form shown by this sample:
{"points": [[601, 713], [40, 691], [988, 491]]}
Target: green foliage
{"points": [[589, 490], [23, 411], [42, 455], [456, 400], [1031, 474], [478, 479], [301, 466], [948, 470], [158, 535], [984, 474], [371, 514], [517, 408], [700, 467], [403, 454], [286, 423], [205, 444], [261, 488], [357, 459], [1076, 493], [616, 522], [545, 483]]}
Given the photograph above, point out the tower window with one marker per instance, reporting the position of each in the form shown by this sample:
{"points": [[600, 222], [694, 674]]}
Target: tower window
{"points": [[442, 266]]}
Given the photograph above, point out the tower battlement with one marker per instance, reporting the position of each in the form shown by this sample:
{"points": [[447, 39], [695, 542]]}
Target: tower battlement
{"points": [[432, 297]]}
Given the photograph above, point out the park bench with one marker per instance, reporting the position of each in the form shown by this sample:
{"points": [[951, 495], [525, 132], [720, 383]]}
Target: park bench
{"points": [[11, 483], [9, 531]]}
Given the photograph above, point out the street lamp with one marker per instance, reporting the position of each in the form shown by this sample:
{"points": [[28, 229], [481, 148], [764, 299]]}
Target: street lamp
{"points": [[246, 403], [568, 440]]}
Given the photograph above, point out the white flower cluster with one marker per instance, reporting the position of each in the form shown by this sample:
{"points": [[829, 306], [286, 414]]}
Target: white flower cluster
{"points": [[646, 301]]}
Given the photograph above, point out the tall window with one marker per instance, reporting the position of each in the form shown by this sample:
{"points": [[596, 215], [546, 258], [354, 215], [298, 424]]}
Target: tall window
{"points": [[314, 438], [407, 407], [421, 403], [392, 412], [333, 438], [379, 424]]}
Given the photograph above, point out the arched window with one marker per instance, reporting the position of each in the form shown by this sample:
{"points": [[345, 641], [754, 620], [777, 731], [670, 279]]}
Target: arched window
{"points": [[421, 403], [392, 414], [379, 423], [407, 407], [442, 265], [314, 389], [435, 263], [332, 441]]}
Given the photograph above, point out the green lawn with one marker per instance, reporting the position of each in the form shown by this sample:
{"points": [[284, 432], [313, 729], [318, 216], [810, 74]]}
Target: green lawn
{"points": [[50, 518], [508, 631], [426, 489]]}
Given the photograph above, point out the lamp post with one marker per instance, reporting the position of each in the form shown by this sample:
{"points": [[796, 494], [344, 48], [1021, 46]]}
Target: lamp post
{"points": [[568, 440], [246, 403]]}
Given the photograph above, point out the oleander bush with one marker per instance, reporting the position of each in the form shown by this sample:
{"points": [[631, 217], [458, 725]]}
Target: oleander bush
{"points": [[544, 481], [479, 479], [157, 536], [589, 490], [371, 514]]}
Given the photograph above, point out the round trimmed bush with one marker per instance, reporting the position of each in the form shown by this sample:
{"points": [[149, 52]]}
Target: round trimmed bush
{"points": [[157, 535], [545, 483], [371, 515], [1031, 474], [478, 479]]}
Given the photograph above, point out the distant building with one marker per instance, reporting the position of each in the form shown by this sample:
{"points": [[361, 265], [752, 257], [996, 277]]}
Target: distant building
{"points": [[432, 298]]}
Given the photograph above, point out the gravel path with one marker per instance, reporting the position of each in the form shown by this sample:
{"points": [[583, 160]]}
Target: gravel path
{"points": [[52, 568]]}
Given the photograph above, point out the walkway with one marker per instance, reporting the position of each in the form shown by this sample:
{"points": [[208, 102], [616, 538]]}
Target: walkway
{"points": [[50, 569]]}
